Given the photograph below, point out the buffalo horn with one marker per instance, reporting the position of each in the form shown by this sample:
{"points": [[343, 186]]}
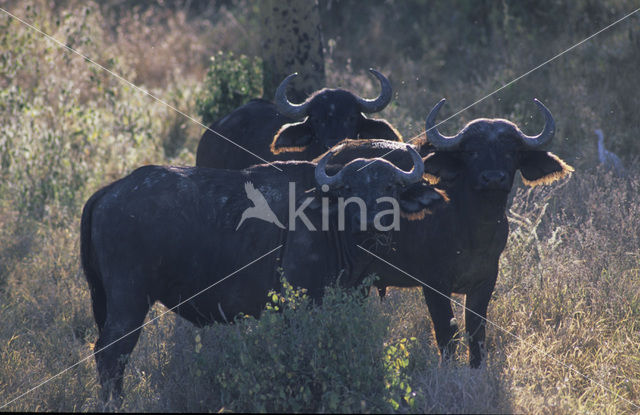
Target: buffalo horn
{"points": [[537, 141], [439, 141], [321, 175], [416, 173], [377, 104], [285, 107]]}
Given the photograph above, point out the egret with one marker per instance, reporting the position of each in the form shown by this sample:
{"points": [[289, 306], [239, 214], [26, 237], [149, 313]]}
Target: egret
{"points": [[607, 158]]}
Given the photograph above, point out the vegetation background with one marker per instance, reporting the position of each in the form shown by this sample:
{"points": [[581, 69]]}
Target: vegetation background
{"points": [[567, 302]]}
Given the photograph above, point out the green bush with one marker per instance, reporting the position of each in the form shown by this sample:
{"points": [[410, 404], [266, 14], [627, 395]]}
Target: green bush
{"points": [[231, 81], [301, 358]]}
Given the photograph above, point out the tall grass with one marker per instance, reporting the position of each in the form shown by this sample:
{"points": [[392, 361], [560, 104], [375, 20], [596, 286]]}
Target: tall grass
{"points": [[567, 301]]}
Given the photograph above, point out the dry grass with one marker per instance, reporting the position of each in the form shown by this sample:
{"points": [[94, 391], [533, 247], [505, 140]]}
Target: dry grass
{"points": [[569, 278]]}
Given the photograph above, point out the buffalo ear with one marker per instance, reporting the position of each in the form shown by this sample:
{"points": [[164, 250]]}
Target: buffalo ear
{"points": [[419, 200], [440, 166], [369, 128], [292, 137], [541, 167]]}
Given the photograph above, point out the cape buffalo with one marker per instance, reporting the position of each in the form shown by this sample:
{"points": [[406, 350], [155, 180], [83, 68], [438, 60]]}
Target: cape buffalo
{"points": [[457, 248], [167, 233], [286, 131]]}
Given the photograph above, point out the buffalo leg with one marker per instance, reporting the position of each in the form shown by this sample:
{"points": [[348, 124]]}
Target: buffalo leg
{"points": [[475, 315], [124, 316], [443, 323]]}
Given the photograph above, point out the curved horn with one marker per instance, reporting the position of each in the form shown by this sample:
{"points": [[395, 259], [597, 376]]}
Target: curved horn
{"points": [[537, 141], [286, 108], [321, 175], [377, 104], [416, 173], [439, 141]]}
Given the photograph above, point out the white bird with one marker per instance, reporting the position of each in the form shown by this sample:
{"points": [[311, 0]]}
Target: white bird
{"points": [[607, 158], [260, 208]]}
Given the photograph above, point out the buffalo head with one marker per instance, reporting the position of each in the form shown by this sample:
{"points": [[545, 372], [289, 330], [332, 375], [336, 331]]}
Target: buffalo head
{"points": [[330, 115], [376, 186], [486, 153]]}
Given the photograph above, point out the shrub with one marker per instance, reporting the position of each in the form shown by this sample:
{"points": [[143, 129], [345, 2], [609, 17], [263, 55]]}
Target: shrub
{"points": [[298, 357], [230, 82]]}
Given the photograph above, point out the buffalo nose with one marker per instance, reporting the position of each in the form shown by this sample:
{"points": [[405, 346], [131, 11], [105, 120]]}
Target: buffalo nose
{"points": [[493, 178]]}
